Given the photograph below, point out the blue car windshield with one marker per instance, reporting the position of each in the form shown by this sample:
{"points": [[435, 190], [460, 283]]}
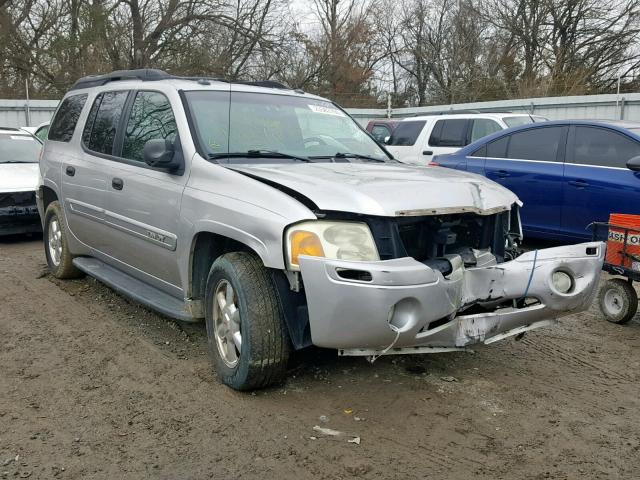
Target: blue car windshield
{"points": [[284, 127]]}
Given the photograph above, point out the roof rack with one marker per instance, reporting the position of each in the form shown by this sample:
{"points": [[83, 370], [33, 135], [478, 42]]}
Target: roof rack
{"points": [[152, 75]]}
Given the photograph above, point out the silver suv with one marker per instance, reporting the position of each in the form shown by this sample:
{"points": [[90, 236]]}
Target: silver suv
{"points": [[272, 215]]}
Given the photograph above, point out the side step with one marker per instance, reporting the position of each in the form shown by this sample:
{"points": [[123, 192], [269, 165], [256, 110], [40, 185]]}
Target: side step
{"points": [[133, 288]]}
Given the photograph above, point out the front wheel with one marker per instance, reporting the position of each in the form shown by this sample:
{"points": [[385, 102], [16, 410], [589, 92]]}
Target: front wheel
{"points": [[618, 300], [248, 342]]}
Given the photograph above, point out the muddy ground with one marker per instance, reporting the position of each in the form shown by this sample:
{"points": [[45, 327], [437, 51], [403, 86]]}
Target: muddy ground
{"points": [[94, 386]]}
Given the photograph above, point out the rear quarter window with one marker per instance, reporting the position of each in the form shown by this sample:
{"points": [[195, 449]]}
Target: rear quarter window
{"points": [[66, 118]]}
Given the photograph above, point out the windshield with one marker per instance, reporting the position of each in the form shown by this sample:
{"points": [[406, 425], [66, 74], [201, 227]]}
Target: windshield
{"points": [[299, 128], [517, 121], [19, 149]]}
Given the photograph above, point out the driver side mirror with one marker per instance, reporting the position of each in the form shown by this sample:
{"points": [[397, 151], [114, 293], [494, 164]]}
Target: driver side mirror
{"points": [[386, 139], [163, 155], [634, 164]]}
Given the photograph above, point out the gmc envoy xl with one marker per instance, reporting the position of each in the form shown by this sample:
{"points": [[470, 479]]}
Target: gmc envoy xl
{"points": [[273, 215]]}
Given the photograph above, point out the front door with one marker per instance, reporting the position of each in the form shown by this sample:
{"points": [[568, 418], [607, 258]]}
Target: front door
{"points": [[143, 204], [597, 181]]}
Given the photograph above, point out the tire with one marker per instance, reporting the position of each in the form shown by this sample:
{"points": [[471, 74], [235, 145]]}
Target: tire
{"points": [[56, 247], [251, 310], [618, 300]]}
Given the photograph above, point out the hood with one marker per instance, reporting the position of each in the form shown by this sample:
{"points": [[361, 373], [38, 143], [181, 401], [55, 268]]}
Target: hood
{"points": [[18, 177], [387, 189]]}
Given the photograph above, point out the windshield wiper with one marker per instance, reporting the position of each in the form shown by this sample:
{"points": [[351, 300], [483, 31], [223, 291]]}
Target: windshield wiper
{"points": [[258, 154], [352, 155]]}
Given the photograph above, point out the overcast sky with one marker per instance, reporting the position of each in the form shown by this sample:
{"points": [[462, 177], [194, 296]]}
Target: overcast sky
{"points": [[303, 12]]}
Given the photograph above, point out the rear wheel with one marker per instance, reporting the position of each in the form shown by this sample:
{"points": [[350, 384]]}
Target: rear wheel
{"points": [[248, 342], [56, 248], [618, 300]]}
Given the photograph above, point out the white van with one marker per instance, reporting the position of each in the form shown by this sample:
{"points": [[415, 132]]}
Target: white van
{"points": [[417, 139]]}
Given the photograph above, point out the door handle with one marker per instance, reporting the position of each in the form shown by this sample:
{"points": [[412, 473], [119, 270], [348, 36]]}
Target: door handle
{"points": [[501, 173], [71, 171], [578, 183], [117, 183], [427, 152]]}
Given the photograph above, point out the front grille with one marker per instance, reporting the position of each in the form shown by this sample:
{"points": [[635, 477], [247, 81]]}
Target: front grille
{"points": [[431, 237]]}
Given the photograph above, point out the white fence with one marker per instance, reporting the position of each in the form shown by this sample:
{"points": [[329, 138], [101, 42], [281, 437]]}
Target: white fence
{"points": [[18, 113], [609, 107]]}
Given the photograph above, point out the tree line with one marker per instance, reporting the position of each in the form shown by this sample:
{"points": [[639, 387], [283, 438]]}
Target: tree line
{"points": [[357, 52]]}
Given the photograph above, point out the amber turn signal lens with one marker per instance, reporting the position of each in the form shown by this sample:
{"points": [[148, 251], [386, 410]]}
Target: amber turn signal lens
{"points": [[304, 243]]}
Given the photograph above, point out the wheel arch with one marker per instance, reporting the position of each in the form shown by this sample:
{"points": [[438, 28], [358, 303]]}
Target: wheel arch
{"points": [[206, 247], [48, 195]]}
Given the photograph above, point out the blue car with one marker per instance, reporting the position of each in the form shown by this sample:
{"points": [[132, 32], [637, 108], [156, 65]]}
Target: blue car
{"points": [[567, 173]]}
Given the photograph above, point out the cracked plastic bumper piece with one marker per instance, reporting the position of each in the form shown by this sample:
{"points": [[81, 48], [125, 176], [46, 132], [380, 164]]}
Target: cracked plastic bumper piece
{"points": [[364, 306]]}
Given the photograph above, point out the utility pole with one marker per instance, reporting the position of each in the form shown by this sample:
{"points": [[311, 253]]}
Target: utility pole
{"points": [[27, 112], [389, 105]]}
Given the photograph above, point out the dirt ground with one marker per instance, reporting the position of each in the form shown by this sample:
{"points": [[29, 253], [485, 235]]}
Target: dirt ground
{"points": [[94, 386]]}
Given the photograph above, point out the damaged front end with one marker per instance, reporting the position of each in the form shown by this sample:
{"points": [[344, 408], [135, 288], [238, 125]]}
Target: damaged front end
{"points": [[444, 282]]}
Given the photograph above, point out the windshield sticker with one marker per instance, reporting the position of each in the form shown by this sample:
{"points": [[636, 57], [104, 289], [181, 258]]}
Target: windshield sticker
{"points": [[326, 110]]}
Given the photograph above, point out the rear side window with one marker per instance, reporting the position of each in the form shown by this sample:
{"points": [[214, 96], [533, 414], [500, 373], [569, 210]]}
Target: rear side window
{"points": [[102, 123], [603, 147], [449, 133], [66, 118], [536, 144], [483, 127], [406, 133], [151, 118]]}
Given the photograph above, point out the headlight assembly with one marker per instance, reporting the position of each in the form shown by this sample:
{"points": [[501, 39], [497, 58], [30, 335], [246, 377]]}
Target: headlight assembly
{"points": [[337, 240]]}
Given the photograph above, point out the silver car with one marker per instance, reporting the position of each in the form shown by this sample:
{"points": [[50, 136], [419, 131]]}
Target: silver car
{"points": [[272, 215]]}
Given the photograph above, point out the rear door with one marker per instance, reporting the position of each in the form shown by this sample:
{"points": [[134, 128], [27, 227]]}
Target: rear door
{"points": [[531, 164], [597, 181], [81, 178]]}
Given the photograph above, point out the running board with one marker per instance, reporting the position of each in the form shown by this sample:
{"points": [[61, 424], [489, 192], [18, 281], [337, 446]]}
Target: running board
{"points": [[133, 288]]}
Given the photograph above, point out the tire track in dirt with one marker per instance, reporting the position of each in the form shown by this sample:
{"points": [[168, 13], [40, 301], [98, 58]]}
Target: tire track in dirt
{"points": [[579, 360]]}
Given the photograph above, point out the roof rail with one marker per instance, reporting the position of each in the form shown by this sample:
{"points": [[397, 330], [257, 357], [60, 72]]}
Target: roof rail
{"points": [[152, 74], [11, 129], [144, 74], [264, 83]]}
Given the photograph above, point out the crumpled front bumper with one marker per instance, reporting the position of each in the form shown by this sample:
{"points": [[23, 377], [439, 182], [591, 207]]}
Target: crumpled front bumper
{"points": [[427, 309]]}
